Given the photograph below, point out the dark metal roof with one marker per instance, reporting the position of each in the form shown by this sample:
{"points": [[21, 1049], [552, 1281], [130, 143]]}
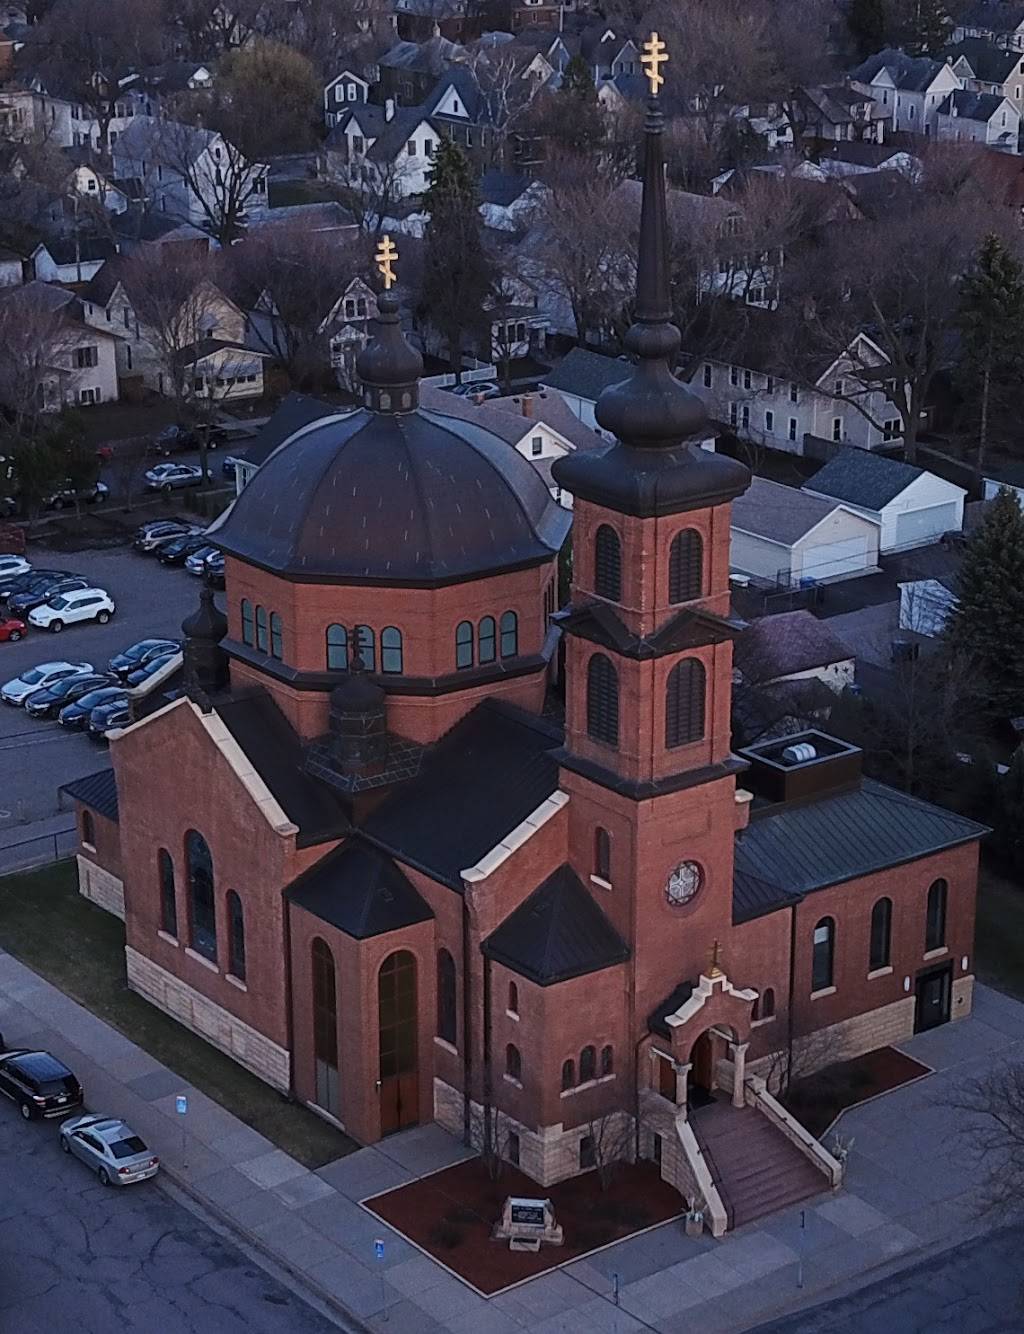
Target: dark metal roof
{"points": [[585, 373], [492, 770], [689, 628], [398, 499], [267, 739], [844, 836], [864, 479], [98, 791], [293, 412], [753, 897], [360, 891], [557, 933], [656, 1019]]}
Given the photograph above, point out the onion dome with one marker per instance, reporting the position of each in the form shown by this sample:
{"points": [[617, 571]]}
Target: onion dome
{"points": [[652, 468], [358, 715], [205, 662], [388, 366]]}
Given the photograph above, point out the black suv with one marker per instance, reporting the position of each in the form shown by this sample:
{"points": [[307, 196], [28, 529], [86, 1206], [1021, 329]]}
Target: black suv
{"points": [[39, 1083]]}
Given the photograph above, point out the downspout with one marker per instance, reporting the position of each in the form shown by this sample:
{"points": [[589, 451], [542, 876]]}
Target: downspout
{"points": [[467, 1029], [488, 1085], [289, 1013], [790, 1021]]}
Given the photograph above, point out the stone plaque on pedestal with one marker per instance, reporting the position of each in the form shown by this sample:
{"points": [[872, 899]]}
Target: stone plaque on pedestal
{"points": [[526, 1223]]}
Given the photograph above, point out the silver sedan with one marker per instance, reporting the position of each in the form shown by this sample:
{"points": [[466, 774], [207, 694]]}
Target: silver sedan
{"points": [[110, 1147]]}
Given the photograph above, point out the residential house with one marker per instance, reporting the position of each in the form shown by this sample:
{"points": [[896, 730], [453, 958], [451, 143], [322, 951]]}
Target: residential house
{"points": [[608, 55], [293, 413], [346, 328], [89, 181], [909, 89], [980, 118], [793, 646], [508, 200], [457, 105], [839, 112], [453, 20], [76, 366], [526, 14], [221, 371], [983, 67], [12, 267], [998, 21], [387, 151], [343, 91], [784, 537], [410, 70], [845, 158], [911, 506]]}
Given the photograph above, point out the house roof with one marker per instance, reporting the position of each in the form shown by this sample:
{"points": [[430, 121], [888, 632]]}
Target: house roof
{"points": [[553, 411], [501, 187], [911, 74], [360, 891], [585, 373], [791, 641], [557, 933], [481, 780], [972, 106], [862, 478], [797, 849], [995, 15], [98, 791], [656, 1019], [992, 63], [292, 413], [153, 137], [389, 136], [780, 513], [430, 57]]}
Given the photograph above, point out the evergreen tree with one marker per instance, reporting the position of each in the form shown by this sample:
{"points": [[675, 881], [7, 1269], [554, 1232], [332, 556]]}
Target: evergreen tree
{"points": [[576, 121], [987, 624], [457, 275], [992, 330], [867, 24], [1006, 813], [921, 27]]}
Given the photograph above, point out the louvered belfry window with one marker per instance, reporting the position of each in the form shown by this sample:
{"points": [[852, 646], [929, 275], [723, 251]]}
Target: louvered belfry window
{"points": [[684, 703], [602, 700], [607, 564], [685, 566]]}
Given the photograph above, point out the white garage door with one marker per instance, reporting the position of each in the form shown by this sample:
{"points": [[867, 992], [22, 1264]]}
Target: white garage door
{"points": [[833, 558], [918, 526]]}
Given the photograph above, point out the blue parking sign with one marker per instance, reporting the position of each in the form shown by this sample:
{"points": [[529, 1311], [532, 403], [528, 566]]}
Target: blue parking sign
{"points": [[181, 1104], [378, 1249]]}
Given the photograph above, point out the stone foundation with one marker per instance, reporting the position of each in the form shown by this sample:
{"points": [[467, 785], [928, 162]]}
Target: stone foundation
{"points": [[963, 997], [212, 1022], [100, 887], [659, 1118]]}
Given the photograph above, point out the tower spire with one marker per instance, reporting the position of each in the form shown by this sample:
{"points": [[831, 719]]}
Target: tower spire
{"points": [[388, 367]]}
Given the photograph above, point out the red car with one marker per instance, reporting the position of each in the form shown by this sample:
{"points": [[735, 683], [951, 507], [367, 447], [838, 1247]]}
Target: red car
{"points": [[12, 628]]}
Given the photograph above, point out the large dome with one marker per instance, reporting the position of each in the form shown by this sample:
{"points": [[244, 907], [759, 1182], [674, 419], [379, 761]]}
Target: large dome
{"points": [[394, 498]]}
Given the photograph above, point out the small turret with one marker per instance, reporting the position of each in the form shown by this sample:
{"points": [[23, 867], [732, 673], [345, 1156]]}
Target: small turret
{"points": [[206, 663]]}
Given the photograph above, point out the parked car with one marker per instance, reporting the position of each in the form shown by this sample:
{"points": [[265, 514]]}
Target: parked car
{"points": [[137, 655], [173, 476], [33, 579], [38, 678], [150, 535], [175, 438], [87, 604], [214, 572], [178, 551], [476, 389], [12, 566], [196, 563], [49, 701], [39, 1083], [12, 628], [227, 466], [142, 674], [88, 495], [105, 717], [20, 604], [76, 714], [110, 1147]]}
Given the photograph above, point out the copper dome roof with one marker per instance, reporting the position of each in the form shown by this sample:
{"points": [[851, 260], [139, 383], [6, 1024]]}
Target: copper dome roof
{"points": [[413, 498]]}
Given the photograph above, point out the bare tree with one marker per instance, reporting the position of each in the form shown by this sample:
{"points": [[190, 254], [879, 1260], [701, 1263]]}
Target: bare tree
{"points": [[36, 340], [994, 1130], [612, 1136], [224, 184]]}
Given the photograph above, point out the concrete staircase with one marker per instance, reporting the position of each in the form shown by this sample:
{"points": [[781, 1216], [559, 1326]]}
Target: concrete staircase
{"points": [[756, 1168]]}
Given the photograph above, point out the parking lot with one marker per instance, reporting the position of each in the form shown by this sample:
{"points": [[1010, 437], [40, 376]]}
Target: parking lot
{"points": [[37, 757]]}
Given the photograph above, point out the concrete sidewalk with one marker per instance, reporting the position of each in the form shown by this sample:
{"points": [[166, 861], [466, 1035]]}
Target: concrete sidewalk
{"points": [[908, 1193]]}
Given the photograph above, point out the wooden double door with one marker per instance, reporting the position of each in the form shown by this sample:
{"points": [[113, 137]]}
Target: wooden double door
{"points": [[398, 1020]]}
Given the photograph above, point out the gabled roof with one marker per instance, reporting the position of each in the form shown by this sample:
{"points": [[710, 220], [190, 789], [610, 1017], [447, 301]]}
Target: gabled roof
{"points": [[864, 479], [430, 57], [389, 136], [360, 891], [463, 81], [790, 641], [292, 413], [782, 514], [502, 187], [585, 373], [152, 137], [992, 63], [98, 791], [691, 627], [995, 15], [911, 74], [559, 932], [966, 105]]}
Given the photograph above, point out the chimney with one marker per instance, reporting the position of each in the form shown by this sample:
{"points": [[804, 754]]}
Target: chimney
{"points": [[526, 403], [389, 108]]}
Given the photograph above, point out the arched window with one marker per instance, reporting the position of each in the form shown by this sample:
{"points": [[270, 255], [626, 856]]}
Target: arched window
{"points": [[337, 648], [262, 642], [602, 854], [686, 566], [276, 636], [88, 829], [607, 564], [236, 937], [367, 642], [823, 955], [513, 998], [935, 924], [391, 651], [568, 1075], [202, 913], [684, 703], [509, 634], [487, 640], [607, 1061], [513, 1063], [168, 902], [464, 645], [325, 1027], [881, 934], [602, 700], [248, 623], [588, 1064], [446, 1002], [764, 1006]]}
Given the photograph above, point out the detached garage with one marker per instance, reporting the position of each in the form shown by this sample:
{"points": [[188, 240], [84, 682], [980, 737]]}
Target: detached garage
{"points": [[912, 507], [786, 536]]}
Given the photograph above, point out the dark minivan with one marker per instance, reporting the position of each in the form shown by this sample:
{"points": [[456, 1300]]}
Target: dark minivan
{"points": [[39, 1083]]}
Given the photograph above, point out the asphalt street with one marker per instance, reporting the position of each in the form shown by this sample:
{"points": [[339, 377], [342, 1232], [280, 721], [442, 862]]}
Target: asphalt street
{"points": [[77, 1256], [37, 757], [978, 1288]]}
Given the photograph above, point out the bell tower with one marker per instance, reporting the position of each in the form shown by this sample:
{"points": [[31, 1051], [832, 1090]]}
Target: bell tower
{"points": [[648, 636]]}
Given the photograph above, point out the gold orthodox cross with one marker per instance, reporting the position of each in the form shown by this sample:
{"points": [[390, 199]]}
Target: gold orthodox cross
{"points": [[716, 956], [387, 253], [654, 56]]}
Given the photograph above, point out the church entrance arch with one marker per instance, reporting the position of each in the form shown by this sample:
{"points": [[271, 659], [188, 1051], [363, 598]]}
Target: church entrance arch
{"points": [[709, 1047]]}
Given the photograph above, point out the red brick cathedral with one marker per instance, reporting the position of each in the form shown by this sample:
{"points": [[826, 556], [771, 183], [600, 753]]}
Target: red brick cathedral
{"points": [[359, 851]]}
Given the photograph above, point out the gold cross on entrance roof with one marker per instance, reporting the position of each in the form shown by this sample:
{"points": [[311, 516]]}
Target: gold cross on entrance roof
{"points": [[654, 56], [387, 253], [716, 955]]}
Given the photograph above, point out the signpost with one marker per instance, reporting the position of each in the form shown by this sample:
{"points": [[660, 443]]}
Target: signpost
{"points": [[527, 1222], [378, 1254], [181, 1107]]}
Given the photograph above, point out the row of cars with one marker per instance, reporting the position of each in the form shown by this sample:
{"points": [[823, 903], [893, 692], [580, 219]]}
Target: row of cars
{"points": [[81, 698], [41, 1086], [175, 543], [47, 599]]}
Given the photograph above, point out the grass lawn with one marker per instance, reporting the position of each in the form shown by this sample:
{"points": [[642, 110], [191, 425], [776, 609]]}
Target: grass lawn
{"points": [[78, 947], [999, 937]]}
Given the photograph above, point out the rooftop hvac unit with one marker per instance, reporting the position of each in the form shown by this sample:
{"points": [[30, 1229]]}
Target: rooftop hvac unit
{"points": [[799, 753]]}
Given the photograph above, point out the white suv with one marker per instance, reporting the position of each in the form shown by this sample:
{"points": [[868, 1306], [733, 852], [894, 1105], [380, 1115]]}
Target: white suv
{"points": [[84, 604]]}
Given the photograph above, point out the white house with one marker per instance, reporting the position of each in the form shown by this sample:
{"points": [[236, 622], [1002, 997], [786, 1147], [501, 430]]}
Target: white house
{"points": [[792, 646], [979, 118], [909, 89], [343, 90], [76, 364], [387, 150], [985, 68], [912, 507], [998, 21], [786, 536]]}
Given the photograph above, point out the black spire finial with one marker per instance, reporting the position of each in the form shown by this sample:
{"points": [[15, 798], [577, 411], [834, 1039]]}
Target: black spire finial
{"points": [[355, 655], [205, 662]]}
